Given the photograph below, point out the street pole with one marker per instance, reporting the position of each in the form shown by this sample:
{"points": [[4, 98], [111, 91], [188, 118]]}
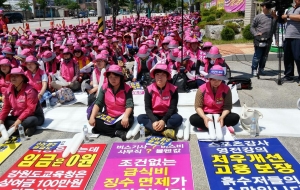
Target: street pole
{"points": [[40, 16], [101, 11]]}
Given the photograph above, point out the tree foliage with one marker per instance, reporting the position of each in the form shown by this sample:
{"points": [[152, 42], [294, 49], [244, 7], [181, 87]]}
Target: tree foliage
{"points": [[43, 3], [61, 2], [73, 6], [24, 4]]}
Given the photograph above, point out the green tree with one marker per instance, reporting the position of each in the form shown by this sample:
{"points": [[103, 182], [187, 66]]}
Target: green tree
{"points": [[168, 5], [43, 3], [73, 6], [61, 2], [25, 5]]}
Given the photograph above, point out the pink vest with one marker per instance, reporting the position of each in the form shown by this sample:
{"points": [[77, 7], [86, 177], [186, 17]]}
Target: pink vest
{"points": [[14, 63], [52, 65], [148, 63], [22, 105], [68, 70], [3, 85], [219, 61], [115, 104], [36, 81], [161, 102], [213, 103]]}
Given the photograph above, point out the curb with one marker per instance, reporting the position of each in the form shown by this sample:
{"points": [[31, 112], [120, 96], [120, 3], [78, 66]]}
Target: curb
{"points": [[248, 57]]}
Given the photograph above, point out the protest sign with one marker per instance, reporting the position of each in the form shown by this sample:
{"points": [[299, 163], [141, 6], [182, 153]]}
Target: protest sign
{"points": [[138, 166], [254, 164], [158, 140], [46, 169], [8, 148]]}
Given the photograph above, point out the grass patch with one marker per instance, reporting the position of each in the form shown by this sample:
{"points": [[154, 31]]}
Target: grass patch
{"points": [[228, 16], [220, 42]]}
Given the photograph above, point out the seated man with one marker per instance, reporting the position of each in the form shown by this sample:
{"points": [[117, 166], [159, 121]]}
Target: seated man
{"points": [[161, 99]]}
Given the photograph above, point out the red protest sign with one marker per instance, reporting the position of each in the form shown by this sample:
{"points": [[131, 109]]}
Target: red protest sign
{"points": [[38, 169]]}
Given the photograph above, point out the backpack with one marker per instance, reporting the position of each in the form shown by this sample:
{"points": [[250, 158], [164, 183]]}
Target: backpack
{"points": [[180, 81], [240, 82]]}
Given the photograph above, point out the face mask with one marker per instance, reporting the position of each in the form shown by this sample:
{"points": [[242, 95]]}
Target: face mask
{"points": [[67, 60]]}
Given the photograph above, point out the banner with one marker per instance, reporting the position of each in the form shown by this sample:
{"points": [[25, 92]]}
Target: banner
{"points": [[254, 164], [220, 4], [234, 5], [8, 148], [44, 169], [136, 166], [213, 3]]}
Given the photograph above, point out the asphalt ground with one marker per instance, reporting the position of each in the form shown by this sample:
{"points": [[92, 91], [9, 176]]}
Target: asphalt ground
{"points": [[265, 94]]}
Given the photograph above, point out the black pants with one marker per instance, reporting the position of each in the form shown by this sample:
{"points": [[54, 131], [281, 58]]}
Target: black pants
{"points": [[230, 120], [291, 55], [29, 122], [110, 130], [173, 123]]}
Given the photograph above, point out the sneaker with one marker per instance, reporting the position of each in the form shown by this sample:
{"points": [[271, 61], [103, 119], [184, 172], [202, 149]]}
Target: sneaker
{"points": [[94, 131], [169, 133], [254, 73], [121, 134], [231, 130], [287, 80], [147, 132], [30, 131]]}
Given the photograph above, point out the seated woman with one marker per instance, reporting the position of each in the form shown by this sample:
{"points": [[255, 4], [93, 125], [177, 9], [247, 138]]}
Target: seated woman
{"points": [[69, 71], [214, 97], [51, 66], [213, 57], [116, 97], [5, 67], [142, 66], [38, 79], [92, 86], [161, 99], [21, 102]]}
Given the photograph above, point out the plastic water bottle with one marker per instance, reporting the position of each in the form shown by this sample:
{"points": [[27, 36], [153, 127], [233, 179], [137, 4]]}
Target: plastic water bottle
{"points": [[142, 131], [253, 127], [85, 132], [48, 103], [21, 132]]}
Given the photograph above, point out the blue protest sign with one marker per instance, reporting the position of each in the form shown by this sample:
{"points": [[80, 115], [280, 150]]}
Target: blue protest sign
{"points": [[254, 164]]}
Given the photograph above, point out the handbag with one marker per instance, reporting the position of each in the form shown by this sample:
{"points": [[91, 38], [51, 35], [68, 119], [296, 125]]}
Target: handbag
{"points": [[65, 95], [240, 82], [247, 115]]}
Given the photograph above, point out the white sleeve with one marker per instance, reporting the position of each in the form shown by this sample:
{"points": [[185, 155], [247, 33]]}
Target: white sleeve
{"points": [[44, 77], [94, 79], [173, 72], [135, 70], [225, 69], [201, 71], [191, 75]]}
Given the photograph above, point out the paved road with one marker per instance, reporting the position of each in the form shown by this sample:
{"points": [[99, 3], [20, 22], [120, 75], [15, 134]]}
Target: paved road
{"points": [[45, 24]]}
